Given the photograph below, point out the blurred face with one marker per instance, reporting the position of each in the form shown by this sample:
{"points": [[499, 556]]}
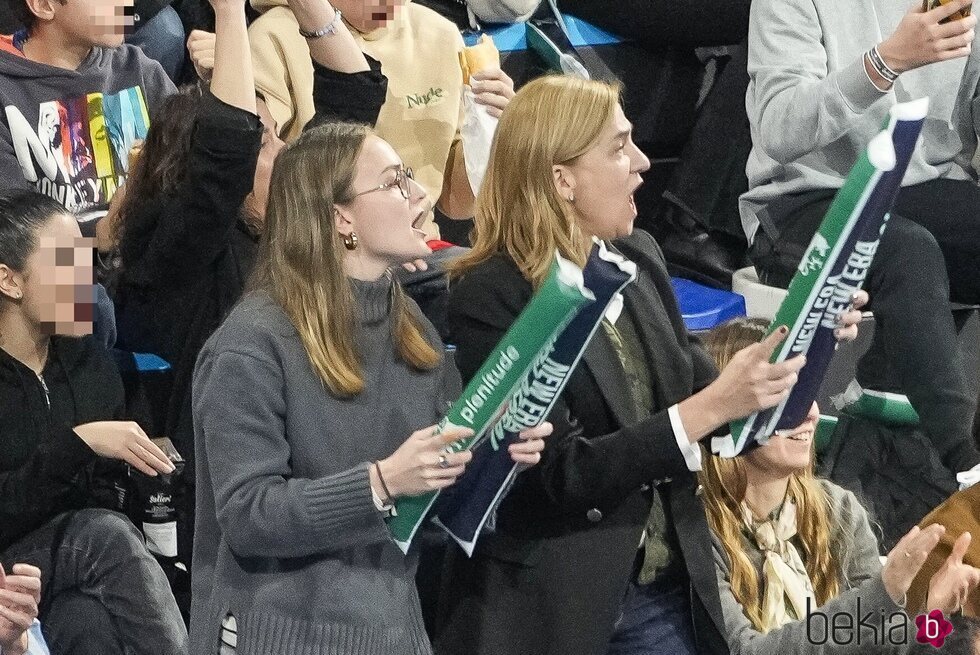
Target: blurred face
{"points": [[787, 453], [368, 15], [271, 145], [602, 181], [57, 283], [88, 22], [385, 221]]}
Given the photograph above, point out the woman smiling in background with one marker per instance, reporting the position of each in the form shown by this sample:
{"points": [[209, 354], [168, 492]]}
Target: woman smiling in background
{"points": [[787, 543]]}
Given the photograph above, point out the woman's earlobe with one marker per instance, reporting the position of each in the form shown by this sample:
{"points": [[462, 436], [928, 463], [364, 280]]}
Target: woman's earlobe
{"points": [[12, 294]]}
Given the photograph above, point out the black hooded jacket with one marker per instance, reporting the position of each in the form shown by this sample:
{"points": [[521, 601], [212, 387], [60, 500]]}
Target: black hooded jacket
{"points": [[45, 468]]}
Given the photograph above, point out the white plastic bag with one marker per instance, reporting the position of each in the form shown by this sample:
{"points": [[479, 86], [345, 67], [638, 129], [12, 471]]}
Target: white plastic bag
{"points": [[477, 132]]}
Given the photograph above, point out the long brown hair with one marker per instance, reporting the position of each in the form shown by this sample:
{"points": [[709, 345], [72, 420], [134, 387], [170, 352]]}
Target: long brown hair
{"points": [[552, 120], [160, 167], [724, 483], [300, 261]]}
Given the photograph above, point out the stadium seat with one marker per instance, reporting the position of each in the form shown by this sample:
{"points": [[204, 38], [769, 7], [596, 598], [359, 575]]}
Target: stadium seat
{"points": [[761, 301], [704, 307]]}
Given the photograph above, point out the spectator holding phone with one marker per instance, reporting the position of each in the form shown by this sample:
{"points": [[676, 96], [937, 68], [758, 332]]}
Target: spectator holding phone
{"points": [[823, 76], [61, 437]]}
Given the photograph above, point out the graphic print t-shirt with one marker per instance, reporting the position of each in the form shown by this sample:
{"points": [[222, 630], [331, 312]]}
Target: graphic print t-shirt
{"points": [[68, 134]]}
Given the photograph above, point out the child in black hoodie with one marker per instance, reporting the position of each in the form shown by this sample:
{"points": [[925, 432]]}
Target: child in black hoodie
{"points": [[60, 398]]}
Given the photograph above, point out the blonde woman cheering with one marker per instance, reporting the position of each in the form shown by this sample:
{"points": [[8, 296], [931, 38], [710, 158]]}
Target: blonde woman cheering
{"points": [[599, 549]]}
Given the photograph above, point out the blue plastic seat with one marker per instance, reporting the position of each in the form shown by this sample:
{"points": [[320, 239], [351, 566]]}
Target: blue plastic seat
{"points": [[150, 363], [509, 38], [147, 381], [703, 307]]}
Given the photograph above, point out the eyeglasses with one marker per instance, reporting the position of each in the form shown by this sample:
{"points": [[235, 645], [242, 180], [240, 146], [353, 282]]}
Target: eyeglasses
{"points": [[403, 180]]}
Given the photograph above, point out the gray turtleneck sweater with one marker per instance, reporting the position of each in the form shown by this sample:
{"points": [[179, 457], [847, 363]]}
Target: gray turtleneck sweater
{"points": [[288, 539]]}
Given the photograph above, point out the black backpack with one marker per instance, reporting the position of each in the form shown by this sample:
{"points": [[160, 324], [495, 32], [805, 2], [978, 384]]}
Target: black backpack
{"points": [[895, 471]]}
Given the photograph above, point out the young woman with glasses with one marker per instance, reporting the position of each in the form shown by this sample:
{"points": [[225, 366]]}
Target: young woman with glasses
{"points": [[314, 411]]}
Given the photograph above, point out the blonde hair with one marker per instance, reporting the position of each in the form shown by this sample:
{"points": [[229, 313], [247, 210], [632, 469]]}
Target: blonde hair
{"points": [[552, 120], [724, 483], [300, 262]]}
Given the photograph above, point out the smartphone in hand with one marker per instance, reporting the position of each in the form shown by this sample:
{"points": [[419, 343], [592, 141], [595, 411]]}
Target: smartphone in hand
{"points": [[932, 4]]}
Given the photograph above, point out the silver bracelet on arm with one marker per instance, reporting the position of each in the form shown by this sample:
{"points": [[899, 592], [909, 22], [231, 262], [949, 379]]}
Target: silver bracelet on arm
{"points": [[329, 29], [878, 63], [867, 58]]}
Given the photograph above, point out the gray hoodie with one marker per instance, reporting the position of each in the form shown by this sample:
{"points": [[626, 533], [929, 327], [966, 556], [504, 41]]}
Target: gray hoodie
{"points": [[813, 109], [68, 133]]}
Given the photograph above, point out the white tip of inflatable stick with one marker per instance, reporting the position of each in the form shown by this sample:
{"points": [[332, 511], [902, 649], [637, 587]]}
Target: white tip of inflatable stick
{"points": [[571, 275], [723, 446], [881, 152], [624, 264], [913, 110]]}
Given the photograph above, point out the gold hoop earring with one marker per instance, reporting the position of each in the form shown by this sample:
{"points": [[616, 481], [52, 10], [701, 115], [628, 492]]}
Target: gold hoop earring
{"points": [[350, 241]]}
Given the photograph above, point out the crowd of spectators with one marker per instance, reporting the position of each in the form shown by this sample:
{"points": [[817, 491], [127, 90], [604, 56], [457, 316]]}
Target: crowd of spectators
{"points": [[273, 197]]}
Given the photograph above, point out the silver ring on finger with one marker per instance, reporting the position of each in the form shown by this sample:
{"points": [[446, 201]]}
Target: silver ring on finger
{"points": [[443, 462]]}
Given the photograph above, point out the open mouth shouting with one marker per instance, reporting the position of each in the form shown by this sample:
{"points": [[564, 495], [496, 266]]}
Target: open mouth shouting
{"points": [[632, 193], [419, 221]]}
